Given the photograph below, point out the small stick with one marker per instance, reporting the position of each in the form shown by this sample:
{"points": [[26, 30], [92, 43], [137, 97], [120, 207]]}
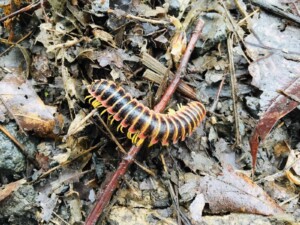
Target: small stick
{"points": [[275, 10], [130, 16], [214, 105], [105, 195], [12, 44], [34, 5], [233, 90], [157, 77], [71, 160], [181, 69]]}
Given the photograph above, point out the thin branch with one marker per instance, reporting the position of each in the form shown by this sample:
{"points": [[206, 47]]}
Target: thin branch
{"points": [[233, 90], [181, 69], [277, 11], [142, 19], [214, 105], [34, 5]]}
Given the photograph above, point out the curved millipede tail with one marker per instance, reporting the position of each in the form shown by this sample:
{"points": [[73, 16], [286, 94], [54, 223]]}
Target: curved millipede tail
{"points": [[141, 121]]}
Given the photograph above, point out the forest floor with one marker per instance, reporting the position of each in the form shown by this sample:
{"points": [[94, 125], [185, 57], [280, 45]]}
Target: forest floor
{"points": [[63, 161]]}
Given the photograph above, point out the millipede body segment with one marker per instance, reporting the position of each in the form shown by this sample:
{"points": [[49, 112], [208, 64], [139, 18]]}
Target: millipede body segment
{"points": [[141, 121]]}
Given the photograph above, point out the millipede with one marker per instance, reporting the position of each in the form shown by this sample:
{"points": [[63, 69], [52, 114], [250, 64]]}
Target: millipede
{"points": [[142, 122]]}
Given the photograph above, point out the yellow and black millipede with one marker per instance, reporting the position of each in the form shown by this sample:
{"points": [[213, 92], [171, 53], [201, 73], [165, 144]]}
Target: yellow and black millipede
{"points": [[141, 121]]}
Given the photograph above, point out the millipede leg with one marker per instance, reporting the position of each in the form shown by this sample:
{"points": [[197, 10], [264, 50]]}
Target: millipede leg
{"points": [[120, 128], [129, 135], [112, 120], [140, 142], [104, 111], [171, 111], [89, 97], [135, 138], [180, 106], [96, 104], [109, 118]]}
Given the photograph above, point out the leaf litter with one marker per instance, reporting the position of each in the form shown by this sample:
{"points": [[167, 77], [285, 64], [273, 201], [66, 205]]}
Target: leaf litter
{"points": [[206, 179]]}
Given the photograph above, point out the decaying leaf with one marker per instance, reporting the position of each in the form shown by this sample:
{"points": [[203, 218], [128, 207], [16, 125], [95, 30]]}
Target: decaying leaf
{"points": [[9, 188], [13, 24], [229, 192], [48, 204], [43, 161], [272, 73], [104, 36], [235, 192], [293, 167], [75, 209], [178, 45], [27, 108], [114, 57], [197, 207], [145, 10]]}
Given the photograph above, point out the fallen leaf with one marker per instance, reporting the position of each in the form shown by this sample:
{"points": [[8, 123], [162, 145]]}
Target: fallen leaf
{"points": [[113, 57], [147, 11], [14, 26], [43, 161], [27, 108], [178, 45], [104, 36], [273, 71], [6, 190], [196, 208], [75, 210], [228, 192], [235, 192], [48, 204]]}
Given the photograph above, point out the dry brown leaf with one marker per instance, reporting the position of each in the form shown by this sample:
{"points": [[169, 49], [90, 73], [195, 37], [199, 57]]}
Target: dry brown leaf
{"points": [[235, 192], [104, 36], [113, 57], [229, 192], [273, 70], [9, 188], [178, 45], [27, 108], [147, 11]]}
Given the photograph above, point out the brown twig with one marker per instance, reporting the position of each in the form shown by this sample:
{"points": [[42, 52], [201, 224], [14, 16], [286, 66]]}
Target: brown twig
{"points": [[13, 44], [277, 11], [159, 71], [98, 145], [214, 105], [181, 69], [234, 91], [129, 16], [127, 160], [34, 5]]}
